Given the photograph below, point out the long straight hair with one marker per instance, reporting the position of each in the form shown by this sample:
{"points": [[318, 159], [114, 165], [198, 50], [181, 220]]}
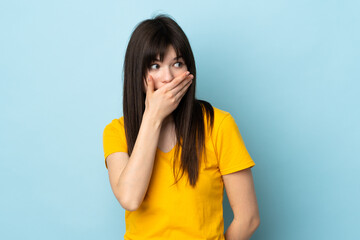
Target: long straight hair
{"points": [[151, 38]]}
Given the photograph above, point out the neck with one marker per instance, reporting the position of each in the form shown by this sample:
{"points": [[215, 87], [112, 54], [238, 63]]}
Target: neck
{"points": [[168, 120]]}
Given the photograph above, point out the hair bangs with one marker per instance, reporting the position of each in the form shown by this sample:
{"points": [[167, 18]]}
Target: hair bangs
{"points": [[158, 45]]}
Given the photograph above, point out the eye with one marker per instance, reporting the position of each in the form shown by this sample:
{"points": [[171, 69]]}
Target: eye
{"points": [[180, 64], [154, 66]]}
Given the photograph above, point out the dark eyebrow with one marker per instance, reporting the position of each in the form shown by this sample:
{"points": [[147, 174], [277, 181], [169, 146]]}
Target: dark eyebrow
{"points": [[178, 57]]}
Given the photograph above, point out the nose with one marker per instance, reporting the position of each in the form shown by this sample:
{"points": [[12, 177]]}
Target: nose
{"points": [[168, 75]]}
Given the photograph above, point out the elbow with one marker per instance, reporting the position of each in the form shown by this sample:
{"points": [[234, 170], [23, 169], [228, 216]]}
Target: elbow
{"points": [[127, 200], [254, 222], [130, 208], [128, 205], [251, 223]]}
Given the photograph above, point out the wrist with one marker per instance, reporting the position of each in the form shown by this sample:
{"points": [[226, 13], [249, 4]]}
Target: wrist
{"points": [[152, 118]]}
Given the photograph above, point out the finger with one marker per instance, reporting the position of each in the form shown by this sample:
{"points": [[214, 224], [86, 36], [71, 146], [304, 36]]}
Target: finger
{"points": [[183, 91], [174, 83], [150, 84], [182, 85]]}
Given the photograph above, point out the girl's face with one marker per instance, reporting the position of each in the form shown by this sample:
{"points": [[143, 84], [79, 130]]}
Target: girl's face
{"points": [[165, 71]]}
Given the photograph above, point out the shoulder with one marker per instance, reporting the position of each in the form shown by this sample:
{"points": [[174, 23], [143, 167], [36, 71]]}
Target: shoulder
{"points": [[219, 116], [115, 124]]}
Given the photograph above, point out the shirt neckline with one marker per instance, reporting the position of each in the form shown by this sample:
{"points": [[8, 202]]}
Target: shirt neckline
{"points": [[165, 153]]}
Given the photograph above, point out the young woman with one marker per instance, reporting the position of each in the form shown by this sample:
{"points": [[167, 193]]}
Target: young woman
{"points": [[166, 131]]}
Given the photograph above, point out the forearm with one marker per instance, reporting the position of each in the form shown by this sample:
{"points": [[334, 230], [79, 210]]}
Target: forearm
{"points": [[240, 230], [134, 180]]}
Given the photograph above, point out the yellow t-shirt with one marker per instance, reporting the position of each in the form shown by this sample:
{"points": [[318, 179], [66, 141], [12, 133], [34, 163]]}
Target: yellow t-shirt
{"points": [[180, 211]]}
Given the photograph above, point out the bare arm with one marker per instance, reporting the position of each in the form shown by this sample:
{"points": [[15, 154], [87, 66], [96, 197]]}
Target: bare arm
{"points": [[241, 194], [134, 179], [130, 176]]}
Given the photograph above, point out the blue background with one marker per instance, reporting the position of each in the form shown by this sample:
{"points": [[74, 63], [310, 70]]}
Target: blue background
{"points": [[288, 71]]}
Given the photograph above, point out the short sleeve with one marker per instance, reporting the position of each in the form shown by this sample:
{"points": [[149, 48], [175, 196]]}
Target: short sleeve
{"points": [[114, 139], [231, 151]]}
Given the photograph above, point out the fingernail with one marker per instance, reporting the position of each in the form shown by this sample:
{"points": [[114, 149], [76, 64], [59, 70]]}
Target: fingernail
{"points": [[187, 72]]}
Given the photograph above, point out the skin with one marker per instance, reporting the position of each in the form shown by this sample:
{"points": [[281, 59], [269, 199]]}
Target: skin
{"points": [[241, 194], [239, 185], [165, 85], [130, 175], [163, 73]]}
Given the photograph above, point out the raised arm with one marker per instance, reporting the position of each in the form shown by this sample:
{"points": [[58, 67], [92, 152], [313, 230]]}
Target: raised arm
{"points": [[130, 176]]}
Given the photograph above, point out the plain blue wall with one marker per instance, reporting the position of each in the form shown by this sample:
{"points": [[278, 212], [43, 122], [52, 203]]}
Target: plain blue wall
{"points": [[288, 71]]}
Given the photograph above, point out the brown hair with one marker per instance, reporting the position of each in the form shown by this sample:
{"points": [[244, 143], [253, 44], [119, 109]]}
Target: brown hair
{"points": [[150, 38]]}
